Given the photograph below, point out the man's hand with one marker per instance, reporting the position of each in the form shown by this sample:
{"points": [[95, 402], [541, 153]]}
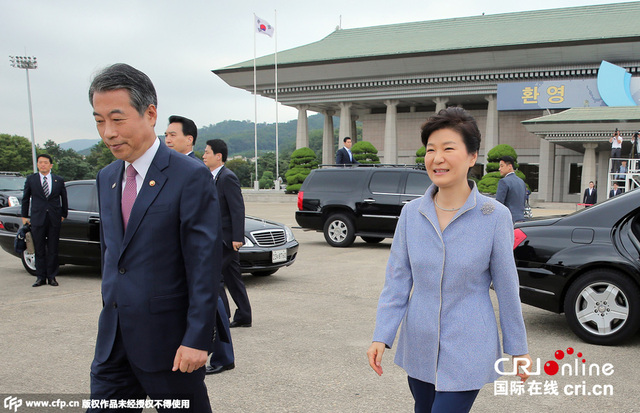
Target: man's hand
{"points": [[61, 219], [189, 359], [25, 221], [237, 245]]}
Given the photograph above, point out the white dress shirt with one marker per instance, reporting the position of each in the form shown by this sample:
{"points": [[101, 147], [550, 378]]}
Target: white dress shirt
{"points": [[141, 166]]}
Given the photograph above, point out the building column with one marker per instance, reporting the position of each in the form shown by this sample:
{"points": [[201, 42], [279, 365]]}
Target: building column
{"points": [[603, 175], [588, 165], [441, 103], [391, 133], [302, 134], [354, 128], [491, 138], [546, 170], [345, 121], [328, 149]]}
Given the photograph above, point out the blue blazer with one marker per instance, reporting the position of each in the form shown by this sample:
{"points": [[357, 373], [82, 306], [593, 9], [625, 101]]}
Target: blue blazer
{"points": [[231, 206], [437, 286], [55, 205], [160, 278], [512, 193], [342, 157]]}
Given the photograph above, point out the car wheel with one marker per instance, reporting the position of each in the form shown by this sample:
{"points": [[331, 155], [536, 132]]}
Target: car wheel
{"points": [[29, 262], [265, 273], [603, 307], [339, 231], [372, 240]]}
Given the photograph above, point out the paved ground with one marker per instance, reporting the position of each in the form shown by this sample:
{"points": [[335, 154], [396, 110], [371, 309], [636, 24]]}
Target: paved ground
{"points": [[306, 350]]}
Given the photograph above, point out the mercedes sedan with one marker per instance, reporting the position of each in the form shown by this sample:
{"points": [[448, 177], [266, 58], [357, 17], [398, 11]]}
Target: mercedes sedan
{"points": [[268, 245], [586, 265]]}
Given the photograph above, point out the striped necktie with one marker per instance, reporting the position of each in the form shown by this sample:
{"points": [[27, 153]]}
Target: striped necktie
{"points": [[45, 186]]}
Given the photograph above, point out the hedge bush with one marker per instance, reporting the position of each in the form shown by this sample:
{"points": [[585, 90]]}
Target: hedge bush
{"points": [[364, 152], [303, 160]]}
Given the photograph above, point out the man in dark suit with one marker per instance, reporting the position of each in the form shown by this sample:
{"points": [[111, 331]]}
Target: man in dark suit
{"points": [[344, 155], [512, 191], [161, 253], [590, 195], [46, 194], [615, 191], [181, 135], [232, 210]]}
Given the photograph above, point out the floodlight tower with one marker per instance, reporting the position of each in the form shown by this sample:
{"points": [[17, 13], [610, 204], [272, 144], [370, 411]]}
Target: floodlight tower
{"points": [[26, 63]]}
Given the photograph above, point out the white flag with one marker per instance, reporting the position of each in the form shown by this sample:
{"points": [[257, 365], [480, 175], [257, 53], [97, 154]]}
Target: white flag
{"points": [[263, 26]]}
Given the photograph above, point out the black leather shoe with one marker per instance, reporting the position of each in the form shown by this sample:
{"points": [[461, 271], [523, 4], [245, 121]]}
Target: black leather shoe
{"points": [[219, 369], [38, 283], [234, 324], [53, 282]]}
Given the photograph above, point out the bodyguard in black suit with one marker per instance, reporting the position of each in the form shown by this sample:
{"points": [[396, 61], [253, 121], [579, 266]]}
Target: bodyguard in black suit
{"points": [[344, 155], [590, 195], [615, 191], [47, 196], [232, 211], [181, 135]]}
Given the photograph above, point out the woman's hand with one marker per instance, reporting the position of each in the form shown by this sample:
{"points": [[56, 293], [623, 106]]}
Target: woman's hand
{"points": [[522, 361], [375, 352]]}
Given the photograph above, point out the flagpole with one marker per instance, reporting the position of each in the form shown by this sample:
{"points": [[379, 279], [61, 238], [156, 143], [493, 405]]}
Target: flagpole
{"points": [[275, 24], [256, 184]]}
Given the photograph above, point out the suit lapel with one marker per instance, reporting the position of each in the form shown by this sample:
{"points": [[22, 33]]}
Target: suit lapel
{"points": [[114, 182], [151, 187]]}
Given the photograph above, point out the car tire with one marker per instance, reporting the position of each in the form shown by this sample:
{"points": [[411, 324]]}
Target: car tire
{"points": [[339, 231], [603, 307], [372, 240], [264, 273], [29, 262]]}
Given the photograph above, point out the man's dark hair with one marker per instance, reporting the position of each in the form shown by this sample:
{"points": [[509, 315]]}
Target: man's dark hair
{"points": [[122, 76], [45, 155], [188, 126], [218, 146], [456, 119], [345, 139], [509, 160]]}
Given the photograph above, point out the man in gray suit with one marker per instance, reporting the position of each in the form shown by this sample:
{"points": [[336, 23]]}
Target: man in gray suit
{"points": [[512, 190]]}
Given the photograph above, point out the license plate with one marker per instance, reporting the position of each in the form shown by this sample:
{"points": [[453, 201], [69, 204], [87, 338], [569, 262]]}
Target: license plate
{"points": [[278, 256]]}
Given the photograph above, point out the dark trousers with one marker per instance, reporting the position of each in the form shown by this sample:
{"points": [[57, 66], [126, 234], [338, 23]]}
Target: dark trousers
{"points": [[118, 379], [232, 277], [45, 242], [428, 400], [615, 153], [222, 351]]}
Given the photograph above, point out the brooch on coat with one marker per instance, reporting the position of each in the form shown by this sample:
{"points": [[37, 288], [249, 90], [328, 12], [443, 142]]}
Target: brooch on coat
{"points": [[487, 208]]}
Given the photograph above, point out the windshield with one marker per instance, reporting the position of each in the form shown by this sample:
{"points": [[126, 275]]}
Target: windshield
{"points": [[12, 183]]}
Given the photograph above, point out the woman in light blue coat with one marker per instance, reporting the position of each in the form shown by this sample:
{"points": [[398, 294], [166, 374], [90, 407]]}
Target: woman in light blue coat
{"points": [[449, 246]]}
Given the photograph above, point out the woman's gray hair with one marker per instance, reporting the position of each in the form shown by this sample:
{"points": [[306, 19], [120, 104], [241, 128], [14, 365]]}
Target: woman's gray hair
{"points": [[122, 76]]}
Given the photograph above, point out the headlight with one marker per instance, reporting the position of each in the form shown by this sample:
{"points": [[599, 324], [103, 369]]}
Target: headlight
{"points": [[247, 242], [13, 201], [289, 233]]}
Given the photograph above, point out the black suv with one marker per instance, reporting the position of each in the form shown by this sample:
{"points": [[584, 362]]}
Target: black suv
{"points": [[11, 188], [358, 201]]}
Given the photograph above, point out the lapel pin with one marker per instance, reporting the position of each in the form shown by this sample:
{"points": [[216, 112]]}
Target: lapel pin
{"points": [[152, 183], [113, 186]]}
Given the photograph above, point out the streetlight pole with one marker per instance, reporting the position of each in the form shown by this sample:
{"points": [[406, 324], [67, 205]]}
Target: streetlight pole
{"points": [[25, 62]]}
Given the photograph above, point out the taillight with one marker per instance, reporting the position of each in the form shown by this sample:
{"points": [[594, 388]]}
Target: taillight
{"points": [[518, 237], [300, 196], [2, 225]]}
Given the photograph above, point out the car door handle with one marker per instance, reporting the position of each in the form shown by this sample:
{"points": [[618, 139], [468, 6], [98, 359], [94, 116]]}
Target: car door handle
{"points": [[94, 220], [369, 201], [406, 201]]}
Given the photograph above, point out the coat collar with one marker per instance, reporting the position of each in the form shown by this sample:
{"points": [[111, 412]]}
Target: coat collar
{"points": [[428, 208]]}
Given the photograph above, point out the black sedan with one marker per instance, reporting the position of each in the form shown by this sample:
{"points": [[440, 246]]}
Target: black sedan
{"points": [[586, 265], [268, 245]]}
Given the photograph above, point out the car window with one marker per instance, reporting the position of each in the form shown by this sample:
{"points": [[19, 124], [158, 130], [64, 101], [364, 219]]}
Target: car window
{"points": [[417, 183], [385, 182], [334, 181], [81, 197], [12, 183]]}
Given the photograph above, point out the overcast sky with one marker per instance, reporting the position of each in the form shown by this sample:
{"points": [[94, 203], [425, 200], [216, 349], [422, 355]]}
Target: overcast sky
{"points": [[177, 43]]}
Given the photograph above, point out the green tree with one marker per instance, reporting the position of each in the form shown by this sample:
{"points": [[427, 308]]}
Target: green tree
{"points": [[266, 182], [100, 157], [68, 163], [303, 160], [420, 153], [242, 169], [365, 153], [15, 154]]}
